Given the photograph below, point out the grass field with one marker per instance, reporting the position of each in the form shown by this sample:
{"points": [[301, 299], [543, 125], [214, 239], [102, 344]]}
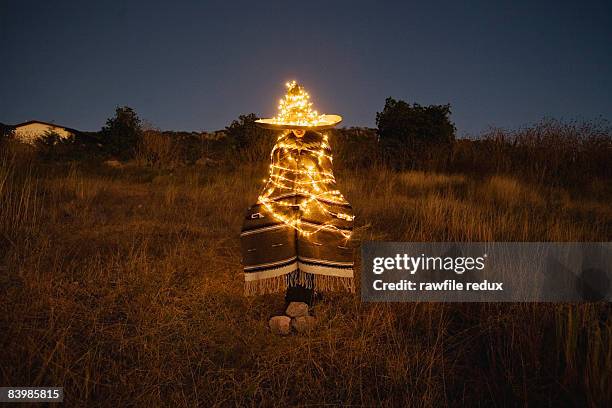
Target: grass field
{"points": [[123, 285]]}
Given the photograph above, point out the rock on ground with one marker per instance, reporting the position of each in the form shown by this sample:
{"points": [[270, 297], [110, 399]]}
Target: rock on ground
{"points": [[304, 324], [280, 325], [296, 309]]}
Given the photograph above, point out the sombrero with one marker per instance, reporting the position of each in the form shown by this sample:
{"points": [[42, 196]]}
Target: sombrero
{"points": [[295, 112]]}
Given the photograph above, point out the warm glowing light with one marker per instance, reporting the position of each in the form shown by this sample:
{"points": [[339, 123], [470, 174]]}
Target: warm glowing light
{"points": [[297, 176], [295, 108], [305, 180], [295, 112]]}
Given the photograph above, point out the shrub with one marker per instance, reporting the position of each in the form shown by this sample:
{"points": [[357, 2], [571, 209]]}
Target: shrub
{"points": [[249, 141], [157, 149], [53, 146], [415, 136], [551, 151], [354, 148], [122, 133]]}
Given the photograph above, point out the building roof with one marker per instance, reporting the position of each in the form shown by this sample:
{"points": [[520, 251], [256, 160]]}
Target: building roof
{"points": [[29, 122]]}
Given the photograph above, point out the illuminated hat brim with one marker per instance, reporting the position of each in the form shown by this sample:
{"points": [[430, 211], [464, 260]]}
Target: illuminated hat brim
{"points": [[325, 122]]}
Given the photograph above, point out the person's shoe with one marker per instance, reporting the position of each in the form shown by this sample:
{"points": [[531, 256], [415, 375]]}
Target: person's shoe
{"points": [[299, 293]]}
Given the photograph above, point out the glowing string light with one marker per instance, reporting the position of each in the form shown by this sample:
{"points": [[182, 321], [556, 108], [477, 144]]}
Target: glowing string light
{"points": [[295, 108], [302, 173]]}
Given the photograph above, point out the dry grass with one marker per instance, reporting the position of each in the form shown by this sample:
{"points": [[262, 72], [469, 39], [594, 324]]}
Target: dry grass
{"points": [[124, 286]]}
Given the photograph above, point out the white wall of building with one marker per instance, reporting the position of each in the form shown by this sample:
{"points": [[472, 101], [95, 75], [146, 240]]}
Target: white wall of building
{"points": [[32, 131]]}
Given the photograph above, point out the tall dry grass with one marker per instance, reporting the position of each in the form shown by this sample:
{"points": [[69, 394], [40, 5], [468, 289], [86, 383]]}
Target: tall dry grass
{"points": [[129, 292], [20, 197]]}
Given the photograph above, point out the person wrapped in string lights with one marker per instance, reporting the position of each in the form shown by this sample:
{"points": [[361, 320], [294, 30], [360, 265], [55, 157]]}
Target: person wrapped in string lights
{"points": [[296, 237]]}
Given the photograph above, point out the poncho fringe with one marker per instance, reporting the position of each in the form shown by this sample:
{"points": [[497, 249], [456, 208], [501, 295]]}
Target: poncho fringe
{"points": [[309, 280]]}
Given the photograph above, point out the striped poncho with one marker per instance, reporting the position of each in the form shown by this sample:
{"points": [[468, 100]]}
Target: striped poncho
{"points": [[299, 230]]}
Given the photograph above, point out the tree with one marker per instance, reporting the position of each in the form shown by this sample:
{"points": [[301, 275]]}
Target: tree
{"points": [[415, 136], [250, 141], [122, 133]]}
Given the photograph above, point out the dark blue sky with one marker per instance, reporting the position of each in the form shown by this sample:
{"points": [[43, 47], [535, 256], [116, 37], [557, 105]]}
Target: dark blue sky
{"points": [[197, 65]]}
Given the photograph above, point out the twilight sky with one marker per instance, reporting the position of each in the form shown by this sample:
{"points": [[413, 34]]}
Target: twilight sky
{"points": [[196, 65]]}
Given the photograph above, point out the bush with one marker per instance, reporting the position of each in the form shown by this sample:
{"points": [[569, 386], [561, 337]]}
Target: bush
{"points": [[249, 141], [52, 146], [415, 136], [157, 149], [551, 151], [354, 148], [122, 133]]}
